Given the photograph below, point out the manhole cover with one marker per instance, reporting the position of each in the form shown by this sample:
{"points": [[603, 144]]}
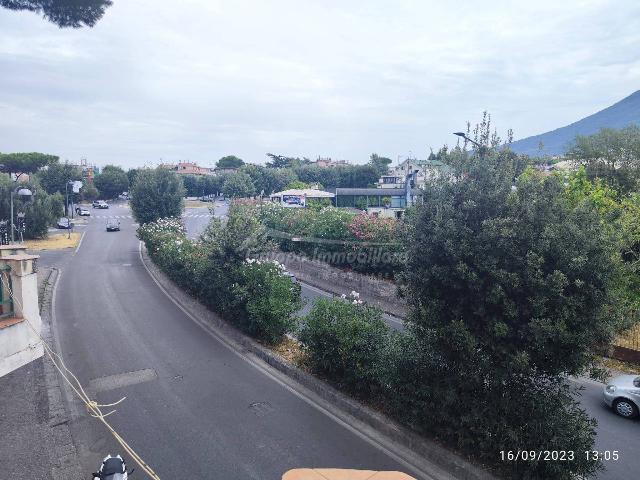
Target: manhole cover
{"points": [[261, 408]]}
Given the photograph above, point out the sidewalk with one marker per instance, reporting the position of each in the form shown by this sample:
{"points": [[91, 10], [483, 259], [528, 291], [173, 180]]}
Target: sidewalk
{"points": [[35, 439], [27, 438]]}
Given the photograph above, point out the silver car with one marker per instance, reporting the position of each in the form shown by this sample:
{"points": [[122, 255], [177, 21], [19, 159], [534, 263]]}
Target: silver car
{"points": [[623, 395]]}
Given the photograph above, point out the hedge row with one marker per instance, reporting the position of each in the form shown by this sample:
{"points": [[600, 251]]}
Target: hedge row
{"points": [[257, 296], [360, 242]]}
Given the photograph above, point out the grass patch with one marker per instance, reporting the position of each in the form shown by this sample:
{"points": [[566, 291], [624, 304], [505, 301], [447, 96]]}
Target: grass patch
{"points": [[54, 242], [291, 350], [196, 204]]}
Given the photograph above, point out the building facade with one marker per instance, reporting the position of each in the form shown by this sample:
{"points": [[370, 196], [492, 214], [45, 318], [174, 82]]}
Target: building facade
{"points": [[328, 163], [424, 170], [188, 168]]}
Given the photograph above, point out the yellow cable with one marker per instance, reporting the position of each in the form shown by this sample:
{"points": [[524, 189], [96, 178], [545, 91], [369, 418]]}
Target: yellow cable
{"points": [[93, 408]]}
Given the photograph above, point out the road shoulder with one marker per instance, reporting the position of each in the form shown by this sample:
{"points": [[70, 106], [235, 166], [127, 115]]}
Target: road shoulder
{"points": [[66, 463]]}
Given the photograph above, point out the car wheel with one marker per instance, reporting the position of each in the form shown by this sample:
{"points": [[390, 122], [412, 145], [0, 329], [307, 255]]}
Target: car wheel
{"points": [[625, 408]]}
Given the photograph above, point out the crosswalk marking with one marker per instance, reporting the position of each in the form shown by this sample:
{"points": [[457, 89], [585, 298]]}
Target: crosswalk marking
{"points": [[185, 215]]}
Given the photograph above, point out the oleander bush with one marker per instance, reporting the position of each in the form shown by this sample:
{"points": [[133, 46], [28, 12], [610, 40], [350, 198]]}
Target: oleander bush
{"points": [[344, 339], [268, 300], [259, 297]]}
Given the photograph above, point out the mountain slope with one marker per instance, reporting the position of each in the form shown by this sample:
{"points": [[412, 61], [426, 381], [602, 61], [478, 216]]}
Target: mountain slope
{"points": [[556, 142]]}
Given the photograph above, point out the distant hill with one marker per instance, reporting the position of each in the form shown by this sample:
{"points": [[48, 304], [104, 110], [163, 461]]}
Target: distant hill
{"points": [[556, 142]]}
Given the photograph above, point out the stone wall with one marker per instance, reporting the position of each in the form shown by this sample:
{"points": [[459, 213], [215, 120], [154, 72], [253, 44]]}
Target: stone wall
{"points": [[374, 290]]}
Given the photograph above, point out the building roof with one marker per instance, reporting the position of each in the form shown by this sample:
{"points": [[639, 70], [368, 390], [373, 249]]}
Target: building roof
{"points": [[379, 192], [307, 192]]}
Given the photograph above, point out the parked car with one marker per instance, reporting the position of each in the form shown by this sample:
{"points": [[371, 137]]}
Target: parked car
{"points": [[83, 212], [623, 395], [65, 223], [100, 204], [113, 225]]}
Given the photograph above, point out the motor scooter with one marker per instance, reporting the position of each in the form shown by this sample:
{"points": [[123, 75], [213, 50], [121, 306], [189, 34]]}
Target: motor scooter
{"points": [[112, 468]]}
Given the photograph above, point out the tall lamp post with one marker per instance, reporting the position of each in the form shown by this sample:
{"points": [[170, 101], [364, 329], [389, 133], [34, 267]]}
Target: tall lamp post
{"points": [[75, 186], [23, 192], [481, 148], [466, 137]]}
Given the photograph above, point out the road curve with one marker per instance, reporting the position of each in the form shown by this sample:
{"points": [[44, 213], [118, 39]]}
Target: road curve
{"points": [[193, 407]]}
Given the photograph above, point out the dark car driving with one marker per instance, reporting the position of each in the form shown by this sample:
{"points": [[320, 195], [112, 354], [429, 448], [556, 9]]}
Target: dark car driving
{"points": [[113, 225]]}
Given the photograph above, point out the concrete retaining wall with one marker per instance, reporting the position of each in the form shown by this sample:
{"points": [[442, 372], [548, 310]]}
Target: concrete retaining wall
{"points": [[373, 290]]}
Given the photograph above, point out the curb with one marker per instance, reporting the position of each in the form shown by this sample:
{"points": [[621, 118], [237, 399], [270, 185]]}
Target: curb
{"points": [[423, 454], [66, 465]]}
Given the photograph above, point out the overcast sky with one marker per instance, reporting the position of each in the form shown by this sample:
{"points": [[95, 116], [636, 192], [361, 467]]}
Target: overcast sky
{"points": [[199, 79]]}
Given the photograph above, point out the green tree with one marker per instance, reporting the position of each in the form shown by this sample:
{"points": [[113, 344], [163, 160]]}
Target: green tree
{"points": [[191, 185], [157, 193], [212, 184], [620, 217], [296, 184], [230, 161], [19, 163], [238, 185], [268, 180], [64, 13], [343, 176], [89, 192], [381, 164], [281, 161], [41, 212], [111, 182], [132, 173], [509, 292], [55, 176], [612, 155]]}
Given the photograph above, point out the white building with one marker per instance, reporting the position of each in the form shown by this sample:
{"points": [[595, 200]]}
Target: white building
{"points": [[425, 170], [19, 311], [297, 197]]}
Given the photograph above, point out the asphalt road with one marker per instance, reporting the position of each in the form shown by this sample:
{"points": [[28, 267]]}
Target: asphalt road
{"points": [[194, 409], [614, 433], [207, 408]]}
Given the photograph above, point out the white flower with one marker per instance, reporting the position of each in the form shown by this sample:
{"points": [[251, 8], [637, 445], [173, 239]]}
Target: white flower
{"points": [[343, 296]]}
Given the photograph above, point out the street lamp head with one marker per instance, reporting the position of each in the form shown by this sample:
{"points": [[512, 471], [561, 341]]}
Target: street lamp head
{"points": [[460, 134]]}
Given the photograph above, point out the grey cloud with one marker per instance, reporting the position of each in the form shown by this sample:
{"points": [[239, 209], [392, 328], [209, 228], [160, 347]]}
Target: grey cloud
{"points": [[201, 79]]}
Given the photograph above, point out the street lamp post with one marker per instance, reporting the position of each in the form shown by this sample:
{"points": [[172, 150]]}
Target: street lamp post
{"points": [[23, 192], [66, 192], [481, 148]]}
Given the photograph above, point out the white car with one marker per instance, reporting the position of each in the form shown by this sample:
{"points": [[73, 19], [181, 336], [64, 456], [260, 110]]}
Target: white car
{"points": [[623, 395]]}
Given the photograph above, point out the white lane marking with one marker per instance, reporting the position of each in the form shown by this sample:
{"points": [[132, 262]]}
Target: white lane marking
{"points": [[264, 369], [79, 243]]}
